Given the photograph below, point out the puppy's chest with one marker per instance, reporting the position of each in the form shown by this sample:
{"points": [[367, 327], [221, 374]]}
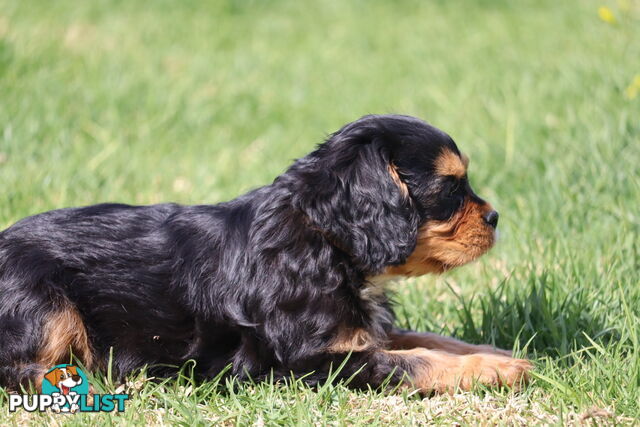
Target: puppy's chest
{"points": [[376, 287], [375, 303]]}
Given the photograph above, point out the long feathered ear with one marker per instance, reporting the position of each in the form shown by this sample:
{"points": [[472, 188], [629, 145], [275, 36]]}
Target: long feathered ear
{"points": [[351, 191]]}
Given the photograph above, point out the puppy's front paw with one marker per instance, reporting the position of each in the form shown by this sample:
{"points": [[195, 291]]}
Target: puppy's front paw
{"points": [[495, 370], [449, 372]]}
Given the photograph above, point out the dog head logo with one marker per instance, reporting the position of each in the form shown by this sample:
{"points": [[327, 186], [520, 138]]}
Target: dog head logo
{"points": [[65, 378]]}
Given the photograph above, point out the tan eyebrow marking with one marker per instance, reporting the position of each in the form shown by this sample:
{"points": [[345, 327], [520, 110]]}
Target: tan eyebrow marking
{"points": [[449, 163]]}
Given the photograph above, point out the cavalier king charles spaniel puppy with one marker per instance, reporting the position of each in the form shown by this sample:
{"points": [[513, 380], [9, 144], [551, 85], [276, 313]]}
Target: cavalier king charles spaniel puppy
{"points": [[286, 279]]}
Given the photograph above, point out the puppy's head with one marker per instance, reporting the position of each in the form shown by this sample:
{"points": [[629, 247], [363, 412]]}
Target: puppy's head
{"points": [[393, 192], [456, 226]]}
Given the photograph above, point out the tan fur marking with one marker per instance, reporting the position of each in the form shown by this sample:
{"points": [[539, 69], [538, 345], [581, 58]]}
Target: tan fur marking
{"points": [[443, 245], [444, 372], [449, 163], [395, 176], [64, 332], [405, 340], [352, 340]]}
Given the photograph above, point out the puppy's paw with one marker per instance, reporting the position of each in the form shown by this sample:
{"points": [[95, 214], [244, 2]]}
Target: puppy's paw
{"points": [[495, 370], [448, 372]]}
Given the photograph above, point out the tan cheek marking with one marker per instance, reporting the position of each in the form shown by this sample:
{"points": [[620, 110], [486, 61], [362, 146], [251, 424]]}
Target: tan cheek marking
{"points": [[352, 340], [449, 163], [443, 245], [393, 171], [63, 333]]}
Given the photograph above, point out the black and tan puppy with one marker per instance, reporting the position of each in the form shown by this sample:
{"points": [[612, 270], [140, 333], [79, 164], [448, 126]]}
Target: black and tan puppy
{"points": [[287, 278]]}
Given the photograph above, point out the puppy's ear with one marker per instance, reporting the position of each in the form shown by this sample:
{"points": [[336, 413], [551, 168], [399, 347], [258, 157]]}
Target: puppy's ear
{"points": [[352, 192]]}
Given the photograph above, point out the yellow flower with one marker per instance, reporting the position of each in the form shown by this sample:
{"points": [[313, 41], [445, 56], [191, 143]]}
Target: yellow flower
{"points": [[634, 88], [606, 15]]}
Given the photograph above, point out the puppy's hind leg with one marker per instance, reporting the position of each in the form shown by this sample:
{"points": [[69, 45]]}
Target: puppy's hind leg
{"points": [[31, 345], [407, 340]]}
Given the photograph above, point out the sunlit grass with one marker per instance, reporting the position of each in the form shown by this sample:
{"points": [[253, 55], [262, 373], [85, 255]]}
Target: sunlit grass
{"points": [[198, 102]]}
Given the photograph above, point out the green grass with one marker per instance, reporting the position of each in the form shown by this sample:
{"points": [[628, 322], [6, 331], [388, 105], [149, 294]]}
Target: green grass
{"points": [[197, 102]]}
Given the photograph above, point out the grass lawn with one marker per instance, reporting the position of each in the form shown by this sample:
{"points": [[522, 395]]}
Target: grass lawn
{"points": [[198, 102]]}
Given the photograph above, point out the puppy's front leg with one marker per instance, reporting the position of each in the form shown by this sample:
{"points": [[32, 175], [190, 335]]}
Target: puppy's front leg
{"points": [[435, 371], [429, 370], [400, 339], [444, 372]]}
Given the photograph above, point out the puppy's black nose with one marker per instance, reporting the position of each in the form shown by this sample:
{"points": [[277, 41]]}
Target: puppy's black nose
{"points": [[491, 218], [75, 378]]}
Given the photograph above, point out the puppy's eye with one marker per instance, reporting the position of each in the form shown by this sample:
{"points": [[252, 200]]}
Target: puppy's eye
{"points": [[453, 189]]}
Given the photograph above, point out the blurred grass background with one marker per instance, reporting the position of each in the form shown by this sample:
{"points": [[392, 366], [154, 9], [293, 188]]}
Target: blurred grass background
{"points": [[200, 101]]}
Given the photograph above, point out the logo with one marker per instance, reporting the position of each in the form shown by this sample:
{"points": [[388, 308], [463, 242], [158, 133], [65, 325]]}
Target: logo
{"points": [[65, 389]]}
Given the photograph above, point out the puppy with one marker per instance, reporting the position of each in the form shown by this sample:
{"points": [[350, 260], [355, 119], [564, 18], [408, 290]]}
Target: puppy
{"points": [[288, 278]]}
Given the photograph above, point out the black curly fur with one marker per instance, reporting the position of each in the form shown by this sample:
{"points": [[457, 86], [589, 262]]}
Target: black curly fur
{"points": [[264, 281]]}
